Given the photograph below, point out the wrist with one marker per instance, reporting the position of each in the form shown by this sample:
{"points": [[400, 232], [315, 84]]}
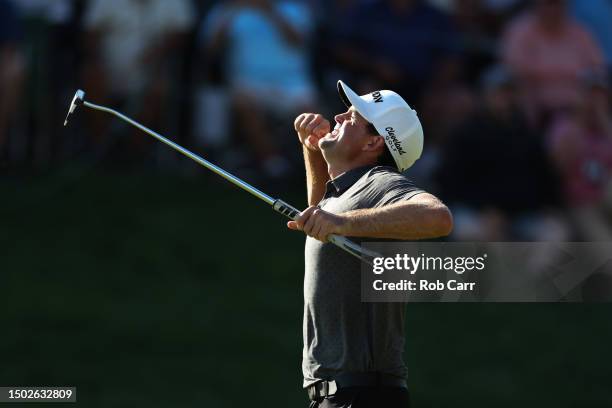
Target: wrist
{"points": [[345, 225], [311, 153]]}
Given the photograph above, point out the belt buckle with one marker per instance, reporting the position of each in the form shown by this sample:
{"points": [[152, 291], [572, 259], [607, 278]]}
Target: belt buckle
{"points": [[325, 389], [315, 391], [329, 388], [332, 387], [322, 389]]}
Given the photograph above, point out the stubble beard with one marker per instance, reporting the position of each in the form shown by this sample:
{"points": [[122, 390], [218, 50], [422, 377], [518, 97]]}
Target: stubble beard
{"points": [[327, 148], [327, 145]]}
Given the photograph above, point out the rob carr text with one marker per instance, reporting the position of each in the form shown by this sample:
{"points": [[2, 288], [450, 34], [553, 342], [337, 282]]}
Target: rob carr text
{"points": [[423, 285]]}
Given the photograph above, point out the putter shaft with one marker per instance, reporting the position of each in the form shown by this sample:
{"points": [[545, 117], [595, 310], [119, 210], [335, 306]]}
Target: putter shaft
{"points": [[278, 205], [216, 169]]}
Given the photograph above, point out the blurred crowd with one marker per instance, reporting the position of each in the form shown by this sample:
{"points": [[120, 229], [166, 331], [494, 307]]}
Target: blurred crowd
{"points": [[514, 95]]}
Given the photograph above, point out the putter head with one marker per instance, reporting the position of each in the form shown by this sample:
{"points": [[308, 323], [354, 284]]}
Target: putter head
{"points": [[78, 99]]}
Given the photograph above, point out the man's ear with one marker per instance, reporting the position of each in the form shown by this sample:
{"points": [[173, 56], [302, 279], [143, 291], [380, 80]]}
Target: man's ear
{"points": [[375, 143]]}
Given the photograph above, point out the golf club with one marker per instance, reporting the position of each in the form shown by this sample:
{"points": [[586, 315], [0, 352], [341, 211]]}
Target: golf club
{"points": [[277, 204]]}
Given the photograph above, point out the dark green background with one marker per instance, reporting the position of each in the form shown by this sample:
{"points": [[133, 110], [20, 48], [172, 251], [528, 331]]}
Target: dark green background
{"points": [[160, 290]]}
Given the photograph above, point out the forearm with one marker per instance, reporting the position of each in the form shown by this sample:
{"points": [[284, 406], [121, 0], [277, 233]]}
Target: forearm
{"points": [[408, 220], [316, 175]]}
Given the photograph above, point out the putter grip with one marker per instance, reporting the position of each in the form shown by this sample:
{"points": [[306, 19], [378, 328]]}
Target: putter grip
{"points": [[285, 209], [340, 241]]}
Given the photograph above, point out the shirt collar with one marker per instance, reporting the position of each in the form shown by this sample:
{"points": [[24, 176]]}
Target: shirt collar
{"points": [[344, 181]]}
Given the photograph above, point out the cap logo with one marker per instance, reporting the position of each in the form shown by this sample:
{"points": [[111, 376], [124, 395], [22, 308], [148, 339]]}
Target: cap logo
{"points": [[392, 141], [377, 97]]}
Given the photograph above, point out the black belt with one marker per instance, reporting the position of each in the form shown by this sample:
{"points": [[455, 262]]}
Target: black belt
{"points": [[322, 389]]}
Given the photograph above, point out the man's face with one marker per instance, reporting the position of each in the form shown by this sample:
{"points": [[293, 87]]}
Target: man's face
{"points": [[348, 137]]}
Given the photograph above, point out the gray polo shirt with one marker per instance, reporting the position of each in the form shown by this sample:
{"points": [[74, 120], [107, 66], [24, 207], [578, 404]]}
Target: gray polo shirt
{"points": [[342, 334]]}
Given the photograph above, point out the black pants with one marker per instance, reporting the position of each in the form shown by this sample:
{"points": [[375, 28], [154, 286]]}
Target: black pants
{"points": [[366, 397]]}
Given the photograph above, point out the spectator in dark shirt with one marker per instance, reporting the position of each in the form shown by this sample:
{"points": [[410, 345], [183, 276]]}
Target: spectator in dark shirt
{"points": [[12, 69], [495, 174], [331, 28], [400, 44]]}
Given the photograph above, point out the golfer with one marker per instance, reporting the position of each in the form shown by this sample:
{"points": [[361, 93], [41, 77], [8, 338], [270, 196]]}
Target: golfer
{"points": [[352, 354]]}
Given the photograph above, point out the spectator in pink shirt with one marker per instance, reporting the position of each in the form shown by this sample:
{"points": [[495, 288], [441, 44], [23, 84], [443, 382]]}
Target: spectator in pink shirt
{"points": [[581, 145], [547, 50]]}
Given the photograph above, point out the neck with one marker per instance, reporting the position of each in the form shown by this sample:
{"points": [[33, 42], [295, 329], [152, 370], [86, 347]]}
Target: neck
{"points": [[336, 169]]}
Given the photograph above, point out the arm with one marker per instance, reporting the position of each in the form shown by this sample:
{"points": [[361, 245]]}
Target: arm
{"points": [[421, 217], [291, 35], [289, 32], [310, 128], [564, 145], [316, 175]]}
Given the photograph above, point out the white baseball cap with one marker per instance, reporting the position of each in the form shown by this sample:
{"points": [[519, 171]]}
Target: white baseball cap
{"points": [[394, 120]]}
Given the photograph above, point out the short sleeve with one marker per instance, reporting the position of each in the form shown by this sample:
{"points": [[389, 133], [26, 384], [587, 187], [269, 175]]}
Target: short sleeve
{"points": [[386, 187]]}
